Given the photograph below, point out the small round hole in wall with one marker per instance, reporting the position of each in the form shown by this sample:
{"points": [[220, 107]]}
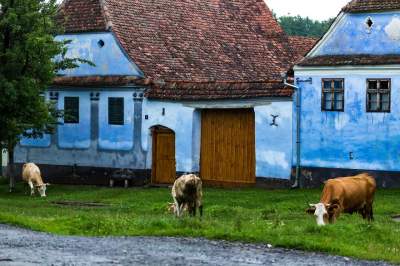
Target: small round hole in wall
{"points": [[101, 43]]}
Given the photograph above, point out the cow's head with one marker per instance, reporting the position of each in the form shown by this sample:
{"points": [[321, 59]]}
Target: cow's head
{"points": [[42, 189], [324, 213]]}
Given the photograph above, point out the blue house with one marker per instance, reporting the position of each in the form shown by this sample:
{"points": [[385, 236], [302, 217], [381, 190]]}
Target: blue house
{"points": [[177, 86], [350, 112]]}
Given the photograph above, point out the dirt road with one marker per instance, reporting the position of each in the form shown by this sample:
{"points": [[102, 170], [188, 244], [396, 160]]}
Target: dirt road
{"points": [[24, 247]]}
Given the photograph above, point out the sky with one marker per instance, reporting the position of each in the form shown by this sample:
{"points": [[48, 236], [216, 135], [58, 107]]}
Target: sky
{"points": [[315, 9]]}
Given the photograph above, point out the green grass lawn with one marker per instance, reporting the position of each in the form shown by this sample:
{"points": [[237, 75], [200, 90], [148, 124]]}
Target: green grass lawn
{"points": [[249, 215]]}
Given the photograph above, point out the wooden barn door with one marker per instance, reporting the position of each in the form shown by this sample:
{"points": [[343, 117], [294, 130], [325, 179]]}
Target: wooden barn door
{"points": [[228, 147], [163, 165]]}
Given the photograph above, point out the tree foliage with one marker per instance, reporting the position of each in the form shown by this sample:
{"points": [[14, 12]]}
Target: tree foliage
{"points": [[300, 26], [27, 67]]}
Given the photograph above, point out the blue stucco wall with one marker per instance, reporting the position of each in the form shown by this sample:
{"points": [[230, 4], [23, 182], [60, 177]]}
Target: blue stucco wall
{"points": [[75, 136], [38, 142], [273, 143], [116, 137], [92, 142], [177, 118], [43, 142], [109, 59], [351, 36], [328, 138]]}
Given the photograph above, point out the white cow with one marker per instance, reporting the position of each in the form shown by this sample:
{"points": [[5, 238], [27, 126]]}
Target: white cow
{"points": [[31, 175]]}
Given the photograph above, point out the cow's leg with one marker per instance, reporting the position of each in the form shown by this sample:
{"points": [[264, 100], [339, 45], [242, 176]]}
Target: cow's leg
{"points": [[193, 209], [364, 212], [181, 208], [199, 205], [177, 208], [32, 188], [370, 212]]}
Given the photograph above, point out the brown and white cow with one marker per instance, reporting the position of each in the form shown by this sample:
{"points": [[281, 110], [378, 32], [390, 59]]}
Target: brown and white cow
{"points": [[187, 191], [345, 195], [31, 174]]}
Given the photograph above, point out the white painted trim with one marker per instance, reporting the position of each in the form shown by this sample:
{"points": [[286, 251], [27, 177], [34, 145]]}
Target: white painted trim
{"points": [[345, 70], [327, 35]]}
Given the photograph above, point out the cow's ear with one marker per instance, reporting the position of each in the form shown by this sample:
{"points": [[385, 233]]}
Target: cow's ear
{"points": [[311, 210], [332, 208]]}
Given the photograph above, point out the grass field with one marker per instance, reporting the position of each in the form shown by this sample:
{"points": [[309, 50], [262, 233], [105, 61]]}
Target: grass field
{"points": [[249, 215]]}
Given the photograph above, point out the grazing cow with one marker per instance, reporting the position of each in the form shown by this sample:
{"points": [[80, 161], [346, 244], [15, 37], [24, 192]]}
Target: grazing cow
{"points": [[187, 190], [347, 195], [31, 175]]}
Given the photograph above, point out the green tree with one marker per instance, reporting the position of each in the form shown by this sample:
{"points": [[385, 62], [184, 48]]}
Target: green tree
{"points": [[300, 26], [27, 67]]}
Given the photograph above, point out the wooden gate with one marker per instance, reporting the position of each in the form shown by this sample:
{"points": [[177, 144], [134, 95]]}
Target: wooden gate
{"points": [[163, 157], [228, 147]]}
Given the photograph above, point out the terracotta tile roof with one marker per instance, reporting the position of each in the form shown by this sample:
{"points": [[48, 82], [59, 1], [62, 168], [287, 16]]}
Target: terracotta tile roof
{"points": [[92, 81], [218, 90], [192, 40], [343, 60], [81, 16], [371, 5], [302, 45]]}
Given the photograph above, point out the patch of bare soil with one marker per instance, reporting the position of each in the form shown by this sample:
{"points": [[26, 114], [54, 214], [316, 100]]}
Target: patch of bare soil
{"points": [[396, 218], [80, 204]]}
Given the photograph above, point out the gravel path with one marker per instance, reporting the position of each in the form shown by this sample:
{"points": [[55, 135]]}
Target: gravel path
{"points": [[24, 247]]}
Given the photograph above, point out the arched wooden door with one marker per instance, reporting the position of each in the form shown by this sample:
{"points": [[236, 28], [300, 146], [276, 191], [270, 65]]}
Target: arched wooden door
{"points": [[163, 159]]}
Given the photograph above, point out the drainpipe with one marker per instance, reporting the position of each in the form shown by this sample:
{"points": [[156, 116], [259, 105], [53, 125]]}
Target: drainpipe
{"points": [[298, 146]]}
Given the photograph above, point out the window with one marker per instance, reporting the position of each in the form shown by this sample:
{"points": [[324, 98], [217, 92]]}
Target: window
{"points": [[116, 111], [378, 95], [71, 110], [333, 94]]}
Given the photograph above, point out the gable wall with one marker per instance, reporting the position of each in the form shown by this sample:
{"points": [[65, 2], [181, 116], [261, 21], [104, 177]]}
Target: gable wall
{"points": [[109, 59], [351, 35]]}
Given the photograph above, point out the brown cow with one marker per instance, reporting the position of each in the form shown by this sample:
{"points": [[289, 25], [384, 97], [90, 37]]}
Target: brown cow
{"points": [[347, 195]]}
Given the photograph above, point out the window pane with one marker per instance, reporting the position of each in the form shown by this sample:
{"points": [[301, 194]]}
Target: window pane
{"points": [[384, 84], [328, 105], [373, 106], [339, 96], [385, 97], [373, 97], [338, 84], [339, 105], [71, 110], [386, 106], [328, 96], [372, 84], [116, 111], [327, 84]]}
